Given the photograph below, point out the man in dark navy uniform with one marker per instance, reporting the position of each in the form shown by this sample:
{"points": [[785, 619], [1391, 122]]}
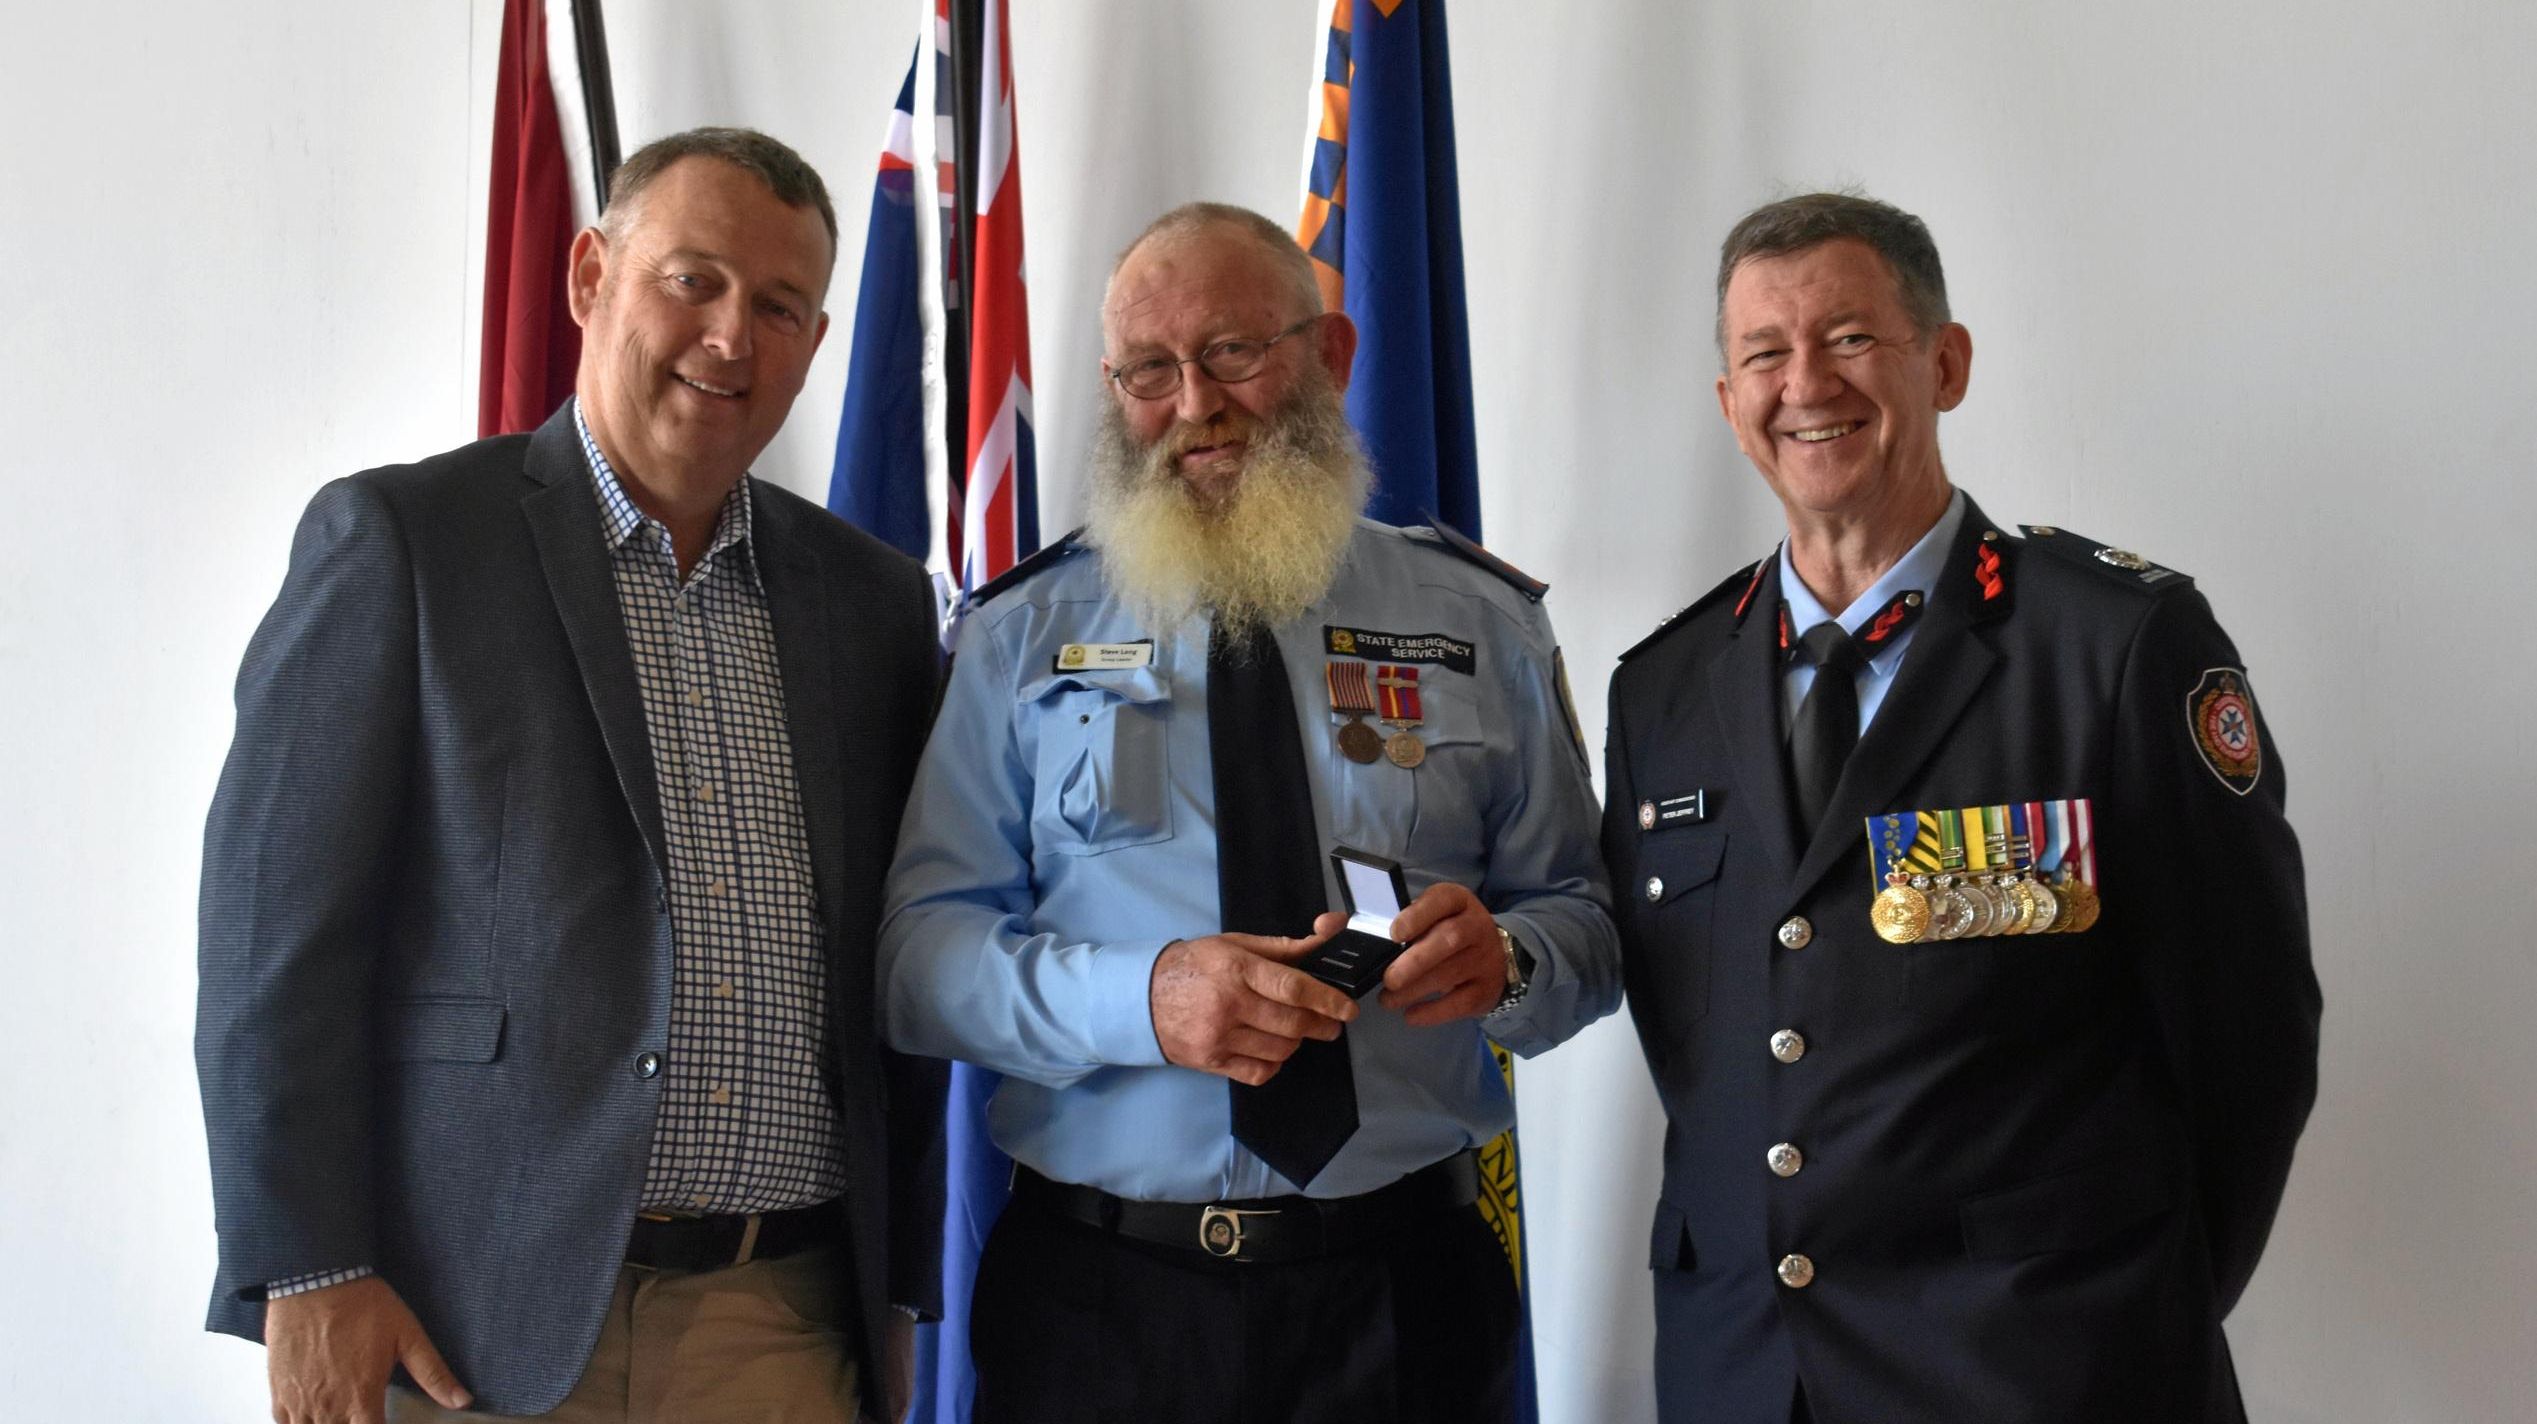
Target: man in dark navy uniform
{"points": [[1964, 932]]}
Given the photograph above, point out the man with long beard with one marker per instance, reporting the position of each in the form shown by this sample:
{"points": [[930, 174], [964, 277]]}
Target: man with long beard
{"points": [[1242, 1194]]}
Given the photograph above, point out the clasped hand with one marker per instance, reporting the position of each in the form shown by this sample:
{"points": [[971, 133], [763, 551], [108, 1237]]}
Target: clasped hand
{"points": [[1235, 1004]]}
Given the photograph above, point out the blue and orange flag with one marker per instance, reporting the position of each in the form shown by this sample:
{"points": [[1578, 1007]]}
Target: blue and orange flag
{"points": [[1383, 222]]}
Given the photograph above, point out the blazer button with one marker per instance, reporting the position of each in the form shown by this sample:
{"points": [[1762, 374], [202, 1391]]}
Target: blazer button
{"points": [[1796, 933], [647, 1065], [1655, 888], [1796, 1272], [1785, 1160], [1788, 1045]]}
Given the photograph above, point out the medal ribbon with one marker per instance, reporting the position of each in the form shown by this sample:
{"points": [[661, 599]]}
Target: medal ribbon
{"points": [[1951, 840], [1890, 838], [1349, 691], [1397, 685], [2083, 841]]}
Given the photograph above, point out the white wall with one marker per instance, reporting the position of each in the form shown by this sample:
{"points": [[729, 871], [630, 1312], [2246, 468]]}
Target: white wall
{"points": [[2249, 292]]}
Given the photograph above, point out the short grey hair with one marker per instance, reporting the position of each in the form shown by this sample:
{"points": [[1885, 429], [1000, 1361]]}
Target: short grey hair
{"points": [[1191, 219], [786, 174], [1813, 219]]}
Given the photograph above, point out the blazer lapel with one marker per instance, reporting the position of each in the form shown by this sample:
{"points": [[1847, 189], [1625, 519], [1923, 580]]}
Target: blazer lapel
{"points": [[806, 650], [1949, 659], [1744, 695], [563, 516]]}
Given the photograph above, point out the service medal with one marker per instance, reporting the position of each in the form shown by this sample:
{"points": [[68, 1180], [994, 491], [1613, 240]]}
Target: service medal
{"points": [[1950, 912], [1405, 749], [2048, 908], [1352, 696], [1396, 691], [1987, 912], [1899, 912], [2018, 915], [2084, 905], [1360, 743]]}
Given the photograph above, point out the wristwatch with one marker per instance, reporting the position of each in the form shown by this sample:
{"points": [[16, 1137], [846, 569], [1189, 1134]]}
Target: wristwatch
{"points": [[1519, 973]]}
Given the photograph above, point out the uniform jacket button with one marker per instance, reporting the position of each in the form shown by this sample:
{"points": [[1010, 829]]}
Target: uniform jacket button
{"points": [[1788, 1045], [1797, 933], [1795, 1271], [1786, 1160], [647, 1065], [1655, 888]]}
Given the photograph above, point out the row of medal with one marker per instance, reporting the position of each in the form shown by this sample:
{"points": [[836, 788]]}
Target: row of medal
{"points": [[2025, 868], [1385, 691]]}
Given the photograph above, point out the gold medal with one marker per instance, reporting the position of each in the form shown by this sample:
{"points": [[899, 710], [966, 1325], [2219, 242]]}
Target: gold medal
{"points": [[1405, 749], [1360, 743], [2084, 905], [2048, 908], [2018, 905], [1900, 913]]}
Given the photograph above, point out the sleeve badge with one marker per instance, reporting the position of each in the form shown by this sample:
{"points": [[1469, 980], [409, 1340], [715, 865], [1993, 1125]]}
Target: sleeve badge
{"points": [[2221, 712]]}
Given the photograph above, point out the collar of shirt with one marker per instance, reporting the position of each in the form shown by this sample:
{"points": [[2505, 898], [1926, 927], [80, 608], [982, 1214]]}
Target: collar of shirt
{"points": [[1920, 568], [619, 518]]}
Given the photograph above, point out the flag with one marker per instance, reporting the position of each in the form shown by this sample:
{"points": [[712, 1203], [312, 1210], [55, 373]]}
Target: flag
{"points": [[999, 520], [1383, 222], [878, 481], [531, 345], [967, 323]]}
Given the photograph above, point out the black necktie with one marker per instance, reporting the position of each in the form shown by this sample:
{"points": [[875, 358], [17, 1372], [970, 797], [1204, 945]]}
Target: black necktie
{"points": [[1827, 721], [1268, 881]]}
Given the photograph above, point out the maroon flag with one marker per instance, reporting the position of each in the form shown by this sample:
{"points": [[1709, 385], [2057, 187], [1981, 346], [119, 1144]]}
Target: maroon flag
{"points": [[531, 346]]}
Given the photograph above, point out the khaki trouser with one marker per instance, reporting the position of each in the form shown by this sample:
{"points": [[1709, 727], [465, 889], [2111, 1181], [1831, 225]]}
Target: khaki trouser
{"points": [[771, 1342]]}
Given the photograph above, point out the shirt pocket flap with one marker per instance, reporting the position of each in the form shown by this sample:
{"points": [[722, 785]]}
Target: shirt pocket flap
{"points": [[1139, 685], [1669, 1243], [1679, 862], [2068, 1210], [441, 1030]]}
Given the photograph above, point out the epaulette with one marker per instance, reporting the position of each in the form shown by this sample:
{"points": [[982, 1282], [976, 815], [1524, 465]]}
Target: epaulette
{"points": [[1464, 545], [1048, 557], [1734, 585], [2121, 565]]}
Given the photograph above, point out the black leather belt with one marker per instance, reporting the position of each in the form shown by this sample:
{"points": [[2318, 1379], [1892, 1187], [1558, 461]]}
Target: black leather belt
{"points": [[1267, 1228], [709, 1243]]}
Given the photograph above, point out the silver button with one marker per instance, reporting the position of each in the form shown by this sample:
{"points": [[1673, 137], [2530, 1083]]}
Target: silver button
{"points": [[1788, 1045], [1785, 1160], [1655, 888], [1795, 1271], [1797, 933], [647, 1065]]}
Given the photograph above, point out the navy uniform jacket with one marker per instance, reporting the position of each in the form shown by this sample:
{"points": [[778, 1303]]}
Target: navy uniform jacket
{"points": [[435, 939], [2037, 1171]]}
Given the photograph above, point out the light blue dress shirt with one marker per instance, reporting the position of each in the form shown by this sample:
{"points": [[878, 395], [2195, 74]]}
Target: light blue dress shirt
{"points": [[1919, 568], [1062, 832]]}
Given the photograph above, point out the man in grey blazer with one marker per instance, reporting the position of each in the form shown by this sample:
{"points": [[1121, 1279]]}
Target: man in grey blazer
{"points": [[539, 892]]}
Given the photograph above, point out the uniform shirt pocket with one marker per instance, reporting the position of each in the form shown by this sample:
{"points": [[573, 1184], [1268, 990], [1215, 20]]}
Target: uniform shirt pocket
{"points": [[1103, 778]]}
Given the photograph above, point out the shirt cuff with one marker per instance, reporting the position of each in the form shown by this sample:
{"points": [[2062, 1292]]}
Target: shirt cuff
{"points": [[1122, 986], [318, 1280]]}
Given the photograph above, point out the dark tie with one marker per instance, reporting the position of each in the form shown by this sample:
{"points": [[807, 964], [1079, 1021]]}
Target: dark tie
{"points": [[1268, 881], [1827, 721]]}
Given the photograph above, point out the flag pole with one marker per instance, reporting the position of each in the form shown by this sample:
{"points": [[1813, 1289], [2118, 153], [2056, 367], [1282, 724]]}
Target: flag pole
{"points": [[598, 95]]}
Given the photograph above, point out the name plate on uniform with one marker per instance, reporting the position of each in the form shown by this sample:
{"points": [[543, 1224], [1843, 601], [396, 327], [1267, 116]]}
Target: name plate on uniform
{"points": [[1374, 892], [1105, 657]]}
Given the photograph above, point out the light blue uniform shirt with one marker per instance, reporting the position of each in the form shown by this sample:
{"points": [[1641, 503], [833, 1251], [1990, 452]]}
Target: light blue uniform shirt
{"points": [[1917, 569], [1062, 832]]}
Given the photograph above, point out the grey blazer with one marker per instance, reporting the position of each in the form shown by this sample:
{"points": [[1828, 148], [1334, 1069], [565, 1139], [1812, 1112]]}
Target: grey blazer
{"points": [[434, 918]]}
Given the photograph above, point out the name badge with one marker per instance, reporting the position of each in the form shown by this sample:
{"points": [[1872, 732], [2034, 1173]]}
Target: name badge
{"points": [[1105, 657]]}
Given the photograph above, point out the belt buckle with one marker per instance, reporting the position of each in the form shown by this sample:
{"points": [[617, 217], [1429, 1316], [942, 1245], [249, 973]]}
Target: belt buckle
{"points": [[1220, 1230]]}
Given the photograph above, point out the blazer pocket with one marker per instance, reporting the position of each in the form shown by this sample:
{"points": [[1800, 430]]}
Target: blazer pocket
{"points": [[1676, 898], [440, 1030], [1669, 1243], [2068, 1210]]}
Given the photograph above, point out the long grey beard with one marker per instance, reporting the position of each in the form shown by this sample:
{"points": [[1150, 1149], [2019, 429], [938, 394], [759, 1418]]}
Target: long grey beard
{"points": [[1260, 557]]}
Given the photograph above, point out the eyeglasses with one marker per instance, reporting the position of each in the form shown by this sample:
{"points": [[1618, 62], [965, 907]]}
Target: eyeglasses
{"points": [[1226, 363]]}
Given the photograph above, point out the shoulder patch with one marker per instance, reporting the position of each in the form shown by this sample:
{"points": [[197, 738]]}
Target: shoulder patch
{"points": [[2121, 565], [1464, 545], [1048, 557], [1732, 586]]}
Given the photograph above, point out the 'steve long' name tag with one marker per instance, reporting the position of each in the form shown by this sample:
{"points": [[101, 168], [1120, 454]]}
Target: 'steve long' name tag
{"points": [[1105, 657]]}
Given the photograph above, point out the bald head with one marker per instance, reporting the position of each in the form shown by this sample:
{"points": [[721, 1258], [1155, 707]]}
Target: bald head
{"points": [[1283, 268]]}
